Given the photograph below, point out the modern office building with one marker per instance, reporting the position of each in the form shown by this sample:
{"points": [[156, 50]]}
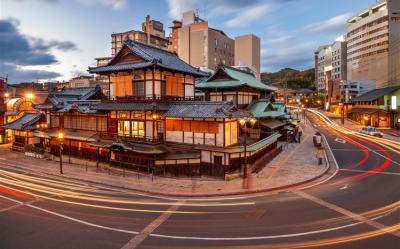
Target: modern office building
{"points": [[373, 44], [323, 57]]}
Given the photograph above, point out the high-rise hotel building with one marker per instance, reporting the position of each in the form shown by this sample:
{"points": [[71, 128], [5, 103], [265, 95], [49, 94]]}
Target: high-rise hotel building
{"points": [[373, 44]]}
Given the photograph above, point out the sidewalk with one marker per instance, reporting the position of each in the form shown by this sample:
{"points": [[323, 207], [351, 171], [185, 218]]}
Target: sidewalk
{"points": [[294, 166], [354, 126]]}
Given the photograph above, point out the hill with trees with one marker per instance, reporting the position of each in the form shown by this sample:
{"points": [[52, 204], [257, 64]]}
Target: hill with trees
{"points": [[295, 79]]}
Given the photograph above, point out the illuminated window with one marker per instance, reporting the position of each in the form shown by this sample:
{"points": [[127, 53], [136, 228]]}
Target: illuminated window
{"points": [[137, 129], [123, 128]]}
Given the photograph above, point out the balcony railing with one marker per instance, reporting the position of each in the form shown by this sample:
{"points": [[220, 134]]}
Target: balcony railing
{"points": [[137, 139], [157, 98]]}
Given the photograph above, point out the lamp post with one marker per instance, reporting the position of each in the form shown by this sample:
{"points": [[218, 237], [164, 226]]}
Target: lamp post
{"points": [[243, 123], [60, 137]]}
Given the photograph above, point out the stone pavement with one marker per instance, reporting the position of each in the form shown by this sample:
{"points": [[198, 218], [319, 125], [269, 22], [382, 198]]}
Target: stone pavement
{"points": [[355, 126], [295, 165]]}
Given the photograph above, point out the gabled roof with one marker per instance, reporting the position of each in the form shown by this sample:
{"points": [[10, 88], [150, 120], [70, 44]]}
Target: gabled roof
{"points": [[263, 108], [151, 56], [235, 78], [70, 98], [26, 122], [130, 106], [375, 94], [203, 109]]}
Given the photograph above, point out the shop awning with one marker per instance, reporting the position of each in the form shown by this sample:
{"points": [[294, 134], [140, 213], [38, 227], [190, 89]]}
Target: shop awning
{"points": [[85, 136]]}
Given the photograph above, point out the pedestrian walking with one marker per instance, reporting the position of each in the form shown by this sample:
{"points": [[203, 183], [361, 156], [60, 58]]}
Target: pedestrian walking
{"points": [[320, 154], [299, 136], [317, 139]]}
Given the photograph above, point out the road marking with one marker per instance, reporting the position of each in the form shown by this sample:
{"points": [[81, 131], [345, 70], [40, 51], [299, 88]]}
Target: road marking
{"points": [[18, 205], [195, 238], [371, 171], [344, 187], [69, 217], [346, 212], [138, 239]]}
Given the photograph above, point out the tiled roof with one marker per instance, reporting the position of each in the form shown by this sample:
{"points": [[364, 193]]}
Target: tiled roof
{"points": [[203, 109], [375, 94], [239, 78], [120, 67], [262, 108], [69, 97], [151, 56], [25, 122], [133, 106]]}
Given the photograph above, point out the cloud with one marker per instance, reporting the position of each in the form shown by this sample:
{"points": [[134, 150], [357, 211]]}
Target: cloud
{"points": [[335, 24], [249, 15], [16, 74], [114, 4], [19, 50], [299, 56], [212, 8]]}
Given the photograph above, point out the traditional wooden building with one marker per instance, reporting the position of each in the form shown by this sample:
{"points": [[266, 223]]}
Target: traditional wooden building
{"points": [[153, 122], [236, 85], [69, 110]]}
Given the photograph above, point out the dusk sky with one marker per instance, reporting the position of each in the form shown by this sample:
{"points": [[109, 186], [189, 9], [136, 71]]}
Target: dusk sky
{"points": [[59, 39]]}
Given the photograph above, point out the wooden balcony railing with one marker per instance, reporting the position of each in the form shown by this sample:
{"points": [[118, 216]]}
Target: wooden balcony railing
{"points": [[138, 139], [156, 98]]}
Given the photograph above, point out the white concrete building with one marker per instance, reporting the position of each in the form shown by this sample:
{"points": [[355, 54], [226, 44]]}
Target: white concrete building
{"points": [[373, 44]]}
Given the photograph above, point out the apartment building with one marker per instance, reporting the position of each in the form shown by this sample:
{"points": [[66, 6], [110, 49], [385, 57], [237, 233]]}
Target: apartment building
{"points": [[203, 46], [247, 52], [152, 33], [200, 45], [323, 57], [373, 44]]}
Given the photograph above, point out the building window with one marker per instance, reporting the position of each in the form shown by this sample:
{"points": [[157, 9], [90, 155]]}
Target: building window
{"points": [[138, 86], [123, 128], [137, 129]]}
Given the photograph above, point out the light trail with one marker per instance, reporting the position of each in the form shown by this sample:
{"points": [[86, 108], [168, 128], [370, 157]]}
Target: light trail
{"points": [[92, 197]]}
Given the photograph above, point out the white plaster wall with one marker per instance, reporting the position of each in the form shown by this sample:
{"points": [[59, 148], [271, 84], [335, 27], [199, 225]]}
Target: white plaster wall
{"points": [[188, 137], [198, 138], [205, 156], [149, 88], [174, 136], [189, 90], [149, 128]]}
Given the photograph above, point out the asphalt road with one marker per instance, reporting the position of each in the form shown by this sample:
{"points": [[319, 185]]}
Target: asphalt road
{"points": [[357, 208]]}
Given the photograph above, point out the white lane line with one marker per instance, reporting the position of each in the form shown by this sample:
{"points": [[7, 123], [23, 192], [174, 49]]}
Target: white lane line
{"points": [[371, 171], [138, 239], [70, 218], [197, 238], [346, 212]]}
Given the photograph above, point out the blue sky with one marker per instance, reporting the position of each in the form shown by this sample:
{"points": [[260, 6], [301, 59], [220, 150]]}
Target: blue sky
{"points": [[58, 39]]}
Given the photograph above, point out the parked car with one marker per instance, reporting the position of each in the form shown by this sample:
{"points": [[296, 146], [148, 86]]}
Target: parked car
{"points": [[369, 130]]}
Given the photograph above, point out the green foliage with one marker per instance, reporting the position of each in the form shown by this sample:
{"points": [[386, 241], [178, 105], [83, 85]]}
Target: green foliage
{"points": [[295, 79], [33, 149]]}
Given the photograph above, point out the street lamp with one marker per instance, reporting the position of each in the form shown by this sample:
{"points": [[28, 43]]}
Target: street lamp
{"points": [[29, 96], [60, 137]]}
